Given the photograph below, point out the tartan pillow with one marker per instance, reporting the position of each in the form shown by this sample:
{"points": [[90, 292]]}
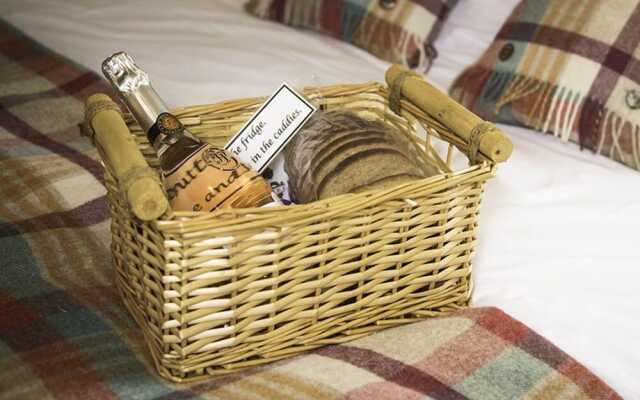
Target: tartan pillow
{"points": [[567, 67], [399, 31]]}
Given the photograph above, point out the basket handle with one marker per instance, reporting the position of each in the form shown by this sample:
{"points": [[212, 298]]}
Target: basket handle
{"points": [[143, 189], [480, 136]]}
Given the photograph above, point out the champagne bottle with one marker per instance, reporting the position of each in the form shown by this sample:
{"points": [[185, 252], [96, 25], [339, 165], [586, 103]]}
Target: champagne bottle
{"points": [[197, 176]]}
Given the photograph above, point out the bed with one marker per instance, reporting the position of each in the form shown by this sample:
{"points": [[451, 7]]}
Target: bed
{"points": [[558, 244]]}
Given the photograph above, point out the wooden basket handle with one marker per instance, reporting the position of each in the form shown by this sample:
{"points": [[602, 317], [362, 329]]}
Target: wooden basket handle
{"points": [[481, 136], [143, 189]]}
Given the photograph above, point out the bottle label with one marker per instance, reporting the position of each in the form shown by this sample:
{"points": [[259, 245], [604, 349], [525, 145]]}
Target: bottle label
{"points": [[206, 180], [167, 126], [270, 129]]}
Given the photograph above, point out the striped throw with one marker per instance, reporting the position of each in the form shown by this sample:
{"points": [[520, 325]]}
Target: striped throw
{"points": [[399, 31], [65, 334], [566, 67]]}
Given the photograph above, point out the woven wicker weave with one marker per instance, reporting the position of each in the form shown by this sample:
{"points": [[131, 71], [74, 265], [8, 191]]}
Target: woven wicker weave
{"points": [[217, 292]]}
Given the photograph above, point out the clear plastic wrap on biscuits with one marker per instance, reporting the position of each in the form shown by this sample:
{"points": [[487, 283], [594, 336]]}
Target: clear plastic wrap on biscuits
{"points": [[340, 151]]}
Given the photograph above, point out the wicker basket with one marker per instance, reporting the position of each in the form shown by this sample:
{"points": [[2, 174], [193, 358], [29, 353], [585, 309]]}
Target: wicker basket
{"points": [[217, 292]]}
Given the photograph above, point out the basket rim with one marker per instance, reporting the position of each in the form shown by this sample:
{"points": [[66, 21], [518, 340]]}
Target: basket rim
{"points": [[351, 201]]}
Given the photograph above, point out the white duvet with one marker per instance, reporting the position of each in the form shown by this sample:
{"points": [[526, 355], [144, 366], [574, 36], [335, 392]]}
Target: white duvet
{"points": [[559, 232]]}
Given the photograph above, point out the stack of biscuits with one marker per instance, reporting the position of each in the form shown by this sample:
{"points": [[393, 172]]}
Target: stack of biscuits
{"points": [[340, 152]]}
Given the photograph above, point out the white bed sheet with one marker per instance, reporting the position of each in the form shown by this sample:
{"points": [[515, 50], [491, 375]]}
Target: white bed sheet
{"points": [[558, 240]]}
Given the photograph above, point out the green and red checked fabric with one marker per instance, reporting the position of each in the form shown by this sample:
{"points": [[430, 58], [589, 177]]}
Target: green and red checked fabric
{"points": [[567, 67], [65, 334], [399, 31]]}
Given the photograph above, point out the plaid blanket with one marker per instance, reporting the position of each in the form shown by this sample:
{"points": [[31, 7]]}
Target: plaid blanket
{"points": [[65, 334], [400, 31], [568, 67]]}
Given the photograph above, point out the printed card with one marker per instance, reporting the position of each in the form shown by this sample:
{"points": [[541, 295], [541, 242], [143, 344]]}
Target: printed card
{"points": [[271, 128]]}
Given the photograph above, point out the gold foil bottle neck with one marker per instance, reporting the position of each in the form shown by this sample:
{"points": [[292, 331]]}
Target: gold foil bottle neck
{"points": [[134, 87], [124, 74]]}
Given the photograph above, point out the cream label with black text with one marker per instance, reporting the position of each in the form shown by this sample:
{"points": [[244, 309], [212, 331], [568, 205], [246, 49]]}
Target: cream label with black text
{"points": [[206, 180]]}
